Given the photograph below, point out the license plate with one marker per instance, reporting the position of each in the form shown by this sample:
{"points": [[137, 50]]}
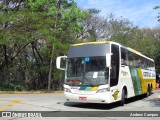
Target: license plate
{"points": [[82, 98]]}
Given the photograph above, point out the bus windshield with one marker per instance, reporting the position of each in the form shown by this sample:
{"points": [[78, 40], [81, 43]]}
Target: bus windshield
{"points": [[86, 71]]}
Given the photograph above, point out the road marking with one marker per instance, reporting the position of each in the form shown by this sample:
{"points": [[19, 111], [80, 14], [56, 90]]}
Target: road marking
{"points": [[10, 104]]}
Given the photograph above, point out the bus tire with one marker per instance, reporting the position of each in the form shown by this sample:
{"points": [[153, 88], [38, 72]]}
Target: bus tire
{"points": [[122, 102], [148, 91]]}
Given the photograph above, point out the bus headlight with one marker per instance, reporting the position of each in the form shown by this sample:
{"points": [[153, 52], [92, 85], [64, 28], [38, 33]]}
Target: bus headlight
{"points": [[102, 90], [67, 90]]}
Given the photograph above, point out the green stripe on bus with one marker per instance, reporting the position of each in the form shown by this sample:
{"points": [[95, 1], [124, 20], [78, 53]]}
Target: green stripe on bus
{"points": [[136, 80], [82, 88]]}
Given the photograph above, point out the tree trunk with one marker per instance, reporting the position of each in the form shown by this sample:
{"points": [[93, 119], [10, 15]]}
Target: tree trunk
{"points": [[52, 55], [50, 69]]}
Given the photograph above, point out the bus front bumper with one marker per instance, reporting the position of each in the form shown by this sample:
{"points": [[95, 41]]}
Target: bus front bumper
{"points": [[87, 98]]}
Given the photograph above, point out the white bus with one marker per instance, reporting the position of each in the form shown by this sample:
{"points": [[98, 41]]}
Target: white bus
{"points": [[106, 72]]}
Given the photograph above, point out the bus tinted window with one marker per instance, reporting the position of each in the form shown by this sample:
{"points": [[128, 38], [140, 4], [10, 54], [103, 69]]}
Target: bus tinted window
{"points": [[124, 57], [129, 58], [137, 61]]}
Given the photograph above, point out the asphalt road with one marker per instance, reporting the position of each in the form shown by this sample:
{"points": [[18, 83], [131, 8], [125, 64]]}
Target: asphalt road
{"points": [[55, 104]]}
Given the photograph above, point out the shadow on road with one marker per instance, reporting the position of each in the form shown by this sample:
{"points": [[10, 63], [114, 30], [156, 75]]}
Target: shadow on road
{"points": [[136, 98], [99, 106], [92, 105]]}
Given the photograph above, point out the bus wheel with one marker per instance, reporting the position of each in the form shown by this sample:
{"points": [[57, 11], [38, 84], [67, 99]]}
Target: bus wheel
{"points": [[122, 102], [148, 91]]}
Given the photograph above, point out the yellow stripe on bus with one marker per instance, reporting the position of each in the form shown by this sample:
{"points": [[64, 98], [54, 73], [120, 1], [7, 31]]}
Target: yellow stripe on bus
{"points": [[94, 88], [101, 42], [146, 82]]}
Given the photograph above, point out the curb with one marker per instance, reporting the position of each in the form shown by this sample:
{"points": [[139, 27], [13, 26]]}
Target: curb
{"points": [[31, 92]]}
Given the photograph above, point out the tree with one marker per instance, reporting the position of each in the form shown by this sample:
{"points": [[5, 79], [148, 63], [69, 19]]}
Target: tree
{"points": [[97, 28], [157, 7], [32, 34], [67, 16], [90, 26]]}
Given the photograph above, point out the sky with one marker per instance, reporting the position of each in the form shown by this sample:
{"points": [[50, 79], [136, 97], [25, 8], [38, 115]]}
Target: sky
{"points": [[139, 12]]}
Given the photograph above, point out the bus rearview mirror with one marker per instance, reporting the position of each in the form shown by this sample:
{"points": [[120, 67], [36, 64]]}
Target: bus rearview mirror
{"points": [[58, 62], [108, 59]]}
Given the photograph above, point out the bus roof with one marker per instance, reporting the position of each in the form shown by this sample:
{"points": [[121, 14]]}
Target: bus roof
{"points": [[111, 42], [86, 43]]}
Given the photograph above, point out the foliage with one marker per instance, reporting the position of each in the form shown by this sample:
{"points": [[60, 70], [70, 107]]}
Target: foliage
{"points": [[157, 7], [33, 33]]}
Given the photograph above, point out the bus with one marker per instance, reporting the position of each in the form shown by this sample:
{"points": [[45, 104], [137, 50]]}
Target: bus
{"points": [[106, 72]]}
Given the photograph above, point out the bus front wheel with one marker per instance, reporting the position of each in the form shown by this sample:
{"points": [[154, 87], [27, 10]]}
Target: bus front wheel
{"points": [[122, 102]]}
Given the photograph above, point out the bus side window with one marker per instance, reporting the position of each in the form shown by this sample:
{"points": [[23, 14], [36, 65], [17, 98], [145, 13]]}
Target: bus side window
{"points": [[137, 61], [124, 57], [131, 59]]}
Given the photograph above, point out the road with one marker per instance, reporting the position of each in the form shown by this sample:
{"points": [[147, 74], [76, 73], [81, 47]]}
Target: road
{"points": [[56, 102]]}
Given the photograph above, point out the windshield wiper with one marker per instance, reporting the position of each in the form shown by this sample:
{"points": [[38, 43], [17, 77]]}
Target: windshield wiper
{"points": [[83, 76]]}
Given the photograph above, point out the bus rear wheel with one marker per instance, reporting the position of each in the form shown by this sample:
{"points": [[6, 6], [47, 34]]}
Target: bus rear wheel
{"points": [[148, 91]]}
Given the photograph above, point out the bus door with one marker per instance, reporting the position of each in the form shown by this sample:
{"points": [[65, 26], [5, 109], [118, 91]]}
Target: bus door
{"points": [[114, 74]]}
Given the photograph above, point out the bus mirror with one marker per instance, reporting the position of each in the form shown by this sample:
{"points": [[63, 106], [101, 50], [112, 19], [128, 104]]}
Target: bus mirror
{"points": [[58, 62], [108, 59]]}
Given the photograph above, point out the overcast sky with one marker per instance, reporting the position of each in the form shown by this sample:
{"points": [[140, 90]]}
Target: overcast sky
{"points": [[140, 12]]}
